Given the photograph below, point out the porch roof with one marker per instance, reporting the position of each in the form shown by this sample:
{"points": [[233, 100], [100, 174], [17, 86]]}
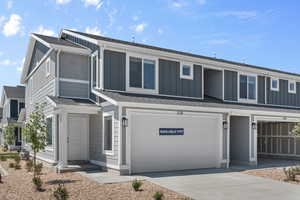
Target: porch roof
{"points": [[71, 101]]}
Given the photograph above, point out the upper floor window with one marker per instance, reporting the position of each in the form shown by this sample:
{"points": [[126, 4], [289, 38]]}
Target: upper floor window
{"points": [[274, 84], [48, 67], [186, 71], [142, 74], [247, 87], [292, 87]]}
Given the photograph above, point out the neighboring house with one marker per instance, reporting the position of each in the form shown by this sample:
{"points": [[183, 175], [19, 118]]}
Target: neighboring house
{"points": [[12, 102], [138, 108], [1, 131]]}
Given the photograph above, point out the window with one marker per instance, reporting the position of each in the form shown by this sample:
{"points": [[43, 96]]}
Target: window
{"points": [[49, 131], [247, 87], [108, 133], [274, 84], [48, 67], [292, 87], [186, 71], [142, 73]]}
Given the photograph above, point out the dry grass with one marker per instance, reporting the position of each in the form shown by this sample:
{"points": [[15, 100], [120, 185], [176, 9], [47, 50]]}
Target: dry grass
{"points": [[272, 173], [18, 185]]}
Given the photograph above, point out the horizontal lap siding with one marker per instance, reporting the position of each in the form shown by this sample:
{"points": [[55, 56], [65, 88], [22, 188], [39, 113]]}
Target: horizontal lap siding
{"points": [[230, 85], [170, 82], [72, 89]]}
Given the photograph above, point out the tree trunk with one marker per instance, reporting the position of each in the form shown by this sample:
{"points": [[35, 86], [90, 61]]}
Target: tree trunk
{"points": [[34, 163]]}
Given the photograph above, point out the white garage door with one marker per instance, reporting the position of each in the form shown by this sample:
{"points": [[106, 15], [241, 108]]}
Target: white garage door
{"points": [[196, 143]]}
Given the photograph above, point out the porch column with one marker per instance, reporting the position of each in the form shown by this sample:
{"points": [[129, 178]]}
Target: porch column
{"points": [[253, 141], [63, 139]]}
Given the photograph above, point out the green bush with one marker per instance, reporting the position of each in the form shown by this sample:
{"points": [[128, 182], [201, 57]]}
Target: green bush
{"points": [[17, 166], [136, 185], [11, 165], [291, 173], [29, 165], [38, 168], [37, 181], [17, 159], [3, 158], [61, 193], [158, 196]]}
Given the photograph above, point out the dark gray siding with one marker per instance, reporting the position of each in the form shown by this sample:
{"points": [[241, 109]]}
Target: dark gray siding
{"points": [[114, 70], [39, 52], [283, 97], [70, 89], [170, 82], [261, 89], [230, 85]]}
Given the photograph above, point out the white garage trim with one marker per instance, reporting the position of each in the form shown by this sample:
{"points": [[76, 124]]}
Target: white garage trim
{"points": [[129, 129]]}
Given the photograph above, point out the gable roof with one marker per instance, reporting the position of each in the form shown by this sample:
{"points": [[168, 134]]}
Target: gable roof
{"points": [[14, 91], [98, 37]]}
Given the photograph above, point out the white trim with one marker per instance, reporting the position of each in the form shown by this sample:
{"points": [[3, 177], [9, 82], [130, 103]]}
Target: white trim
{"points": [[112, 101], [295, 86], [50, 147], [247, 100], [48, 67], [112, 115], [94, 41], [271, 85], [120, 136], [57, 72], [142, 89], [101, 65], [70, 80], [191, 66]]}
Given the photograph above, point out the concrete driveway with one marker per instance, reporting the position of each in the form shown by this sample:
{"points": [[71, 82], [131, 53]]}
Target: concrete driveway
{"points": [[217, 184]]}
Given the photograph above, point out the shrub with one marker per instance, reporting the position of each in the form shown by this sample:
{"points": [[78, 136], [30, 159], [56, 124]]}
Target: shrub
{"points": [[29, 165], [11, 165], [289, 173], [61, 193], [37, 181], [17, 159], [38, 168], [2, 158], [158, 196], [136, 185]]}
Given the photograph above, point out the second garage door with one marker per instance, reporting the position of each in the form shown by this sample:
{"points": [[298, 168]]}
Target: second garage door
{"points": [[154, 147]]}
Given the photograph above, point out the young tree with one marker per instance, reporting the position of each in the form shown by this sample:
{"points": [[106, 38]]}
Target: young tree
{"points": [[296, 129], [9, 135], [35, 131]]}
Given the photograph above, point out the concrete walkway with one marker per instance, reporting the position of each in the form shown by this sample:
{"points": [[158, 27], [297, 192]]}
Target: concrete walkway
{"points": [[225, 185]]}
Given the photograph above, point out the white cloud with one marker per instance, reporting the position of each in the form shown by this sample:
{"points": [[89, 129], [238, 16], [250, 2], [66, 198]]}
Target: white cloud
{"points": [[135, 18], [95, 30], [160, 31], [10, 4], [2, 19], [218, 41], [7, 62], [63, 1], [111, 16], [12, 26], [238, 14], [179, 3], [139, 28], [97, 3], [44, 31]]}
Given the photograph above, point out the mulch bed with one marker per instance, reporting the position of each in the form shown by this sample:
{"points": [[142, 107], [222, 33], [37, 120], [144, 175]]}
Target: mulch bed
{"points": [[18, 185], [272, 173]]}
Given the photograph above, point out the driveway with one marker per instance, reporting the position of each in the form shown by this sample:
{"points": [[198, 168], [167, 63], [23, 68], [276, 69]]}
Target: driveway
{"points": [[217, 184]]}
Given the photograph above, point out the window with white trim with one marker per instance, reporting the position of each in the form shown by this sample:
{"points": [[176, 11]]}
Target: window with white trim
{"points": [[142, 73], [186, 71], [292, 87], [49, 131], [48, 67], [108, 133], [274, 84], [247, 87]]}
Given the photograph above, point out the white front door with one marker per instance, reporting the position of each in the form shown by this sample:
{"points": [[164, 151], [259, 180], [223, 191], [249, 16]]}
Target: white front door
{"points": [[78, 137]]}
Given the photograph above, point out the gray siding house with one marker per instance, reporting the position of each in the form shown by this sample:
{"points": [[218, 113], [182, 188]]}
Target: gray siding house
{"points": [[12, 103], [137, 108]]}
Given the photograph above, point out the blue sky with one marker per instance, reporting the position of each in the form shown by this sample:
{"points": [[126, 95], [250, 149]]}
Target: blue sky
{"points": [[264, 33]]}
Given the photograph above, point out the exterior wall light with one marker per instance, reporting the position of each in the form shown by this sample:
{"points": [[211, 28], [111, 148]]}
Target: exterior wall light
{"points": [[254, 126], [124, 122], [225, 125]]}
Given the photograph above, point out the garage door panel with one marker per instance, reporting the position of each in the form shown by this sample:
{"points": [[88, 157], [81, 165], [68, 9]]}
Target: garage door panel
{"points": [[199, 147]]}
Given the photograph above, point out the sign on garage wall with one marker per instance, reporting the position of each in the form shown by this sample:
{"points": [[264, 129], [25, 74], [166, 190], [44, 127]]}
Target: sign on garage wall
{"points": [[171, 131]]}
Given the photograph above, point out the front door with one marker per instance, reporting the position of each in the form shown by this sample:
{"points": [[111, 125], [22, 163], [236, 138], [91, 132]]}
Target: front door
{"points": [[78, 137]]}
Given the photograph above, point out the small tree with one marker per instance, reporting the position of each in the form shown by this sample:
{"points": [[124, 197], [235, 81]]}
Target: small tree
{"points": [[9, 135], [296, 129], [35, 131]]}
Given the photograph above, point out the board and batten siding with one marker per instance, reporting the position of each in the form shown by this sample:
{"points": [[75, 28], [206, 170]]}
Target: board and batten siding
{"points": [[261, 89], [114, 70], [230, 85], [170, 82], [74, 67], [283, 97]]}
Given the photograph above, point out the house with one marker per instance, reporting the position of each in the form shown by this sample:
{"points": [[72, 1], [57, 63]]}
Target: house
{"points": [[137, 108], [12, 102]]}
